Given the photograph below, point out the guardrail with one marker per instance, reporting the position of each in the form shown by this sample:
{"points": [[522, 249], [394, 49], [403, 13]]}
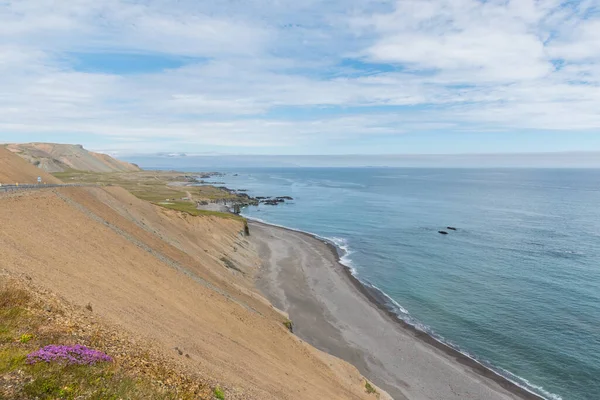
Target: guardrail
{"points": [[13, 188]]}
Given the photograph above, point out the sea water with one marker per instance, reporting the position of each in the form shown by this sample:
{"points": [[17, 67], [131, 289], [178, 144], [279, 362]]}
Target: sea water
{"points": [[516, 286]]}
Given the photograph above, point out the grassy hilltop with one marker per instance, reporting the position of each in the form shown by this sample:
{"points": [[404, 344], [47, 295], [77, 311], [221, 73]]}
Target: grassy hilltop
{"points": [[163, 188]]}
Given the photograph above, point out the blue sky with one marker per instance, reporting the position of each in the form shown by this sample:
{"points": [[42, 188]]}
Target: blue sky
{"points": [[310, 77]]}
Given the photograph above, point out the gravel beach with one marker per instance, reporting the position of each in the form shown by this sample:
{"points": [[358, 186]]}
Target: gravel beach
{"points": [[331, 310]]}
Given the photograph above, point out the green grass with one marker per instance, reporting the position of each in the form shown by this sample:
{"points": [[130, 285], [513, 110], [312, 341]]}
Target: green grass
{"points": [[148, 185], [12, 358], [72, 173], [26, 337], [153, 186], [15, 320], [56, 381], [288, 324], [369, 388], [52, 381], [24, 329], [190, 208], [219, 394]]}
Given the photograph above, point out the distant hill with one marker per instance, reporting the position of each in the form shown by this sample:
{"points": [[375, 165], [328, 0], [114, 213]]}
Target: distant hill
{"points": [[63, 157], [14, 169]]}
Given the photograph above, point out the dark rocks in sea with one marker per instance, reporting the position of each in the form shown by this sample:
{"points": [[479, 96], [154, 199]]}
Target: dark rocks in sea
{"points": [[451, 228], [270, 202], [442, 232], [273, 202], [245, 200]]}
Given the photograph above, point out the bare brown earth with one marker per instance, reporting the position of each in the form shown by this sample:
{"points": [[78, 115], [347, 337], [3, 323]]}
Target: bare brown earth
{"points": [[53, 157], [175, 279], [16, 170]]}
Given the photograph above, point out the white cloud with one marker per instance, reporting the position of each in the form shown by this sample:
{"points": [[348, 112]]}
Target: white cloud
{"points": [[582, 43], [459, 64], [471, 40]]}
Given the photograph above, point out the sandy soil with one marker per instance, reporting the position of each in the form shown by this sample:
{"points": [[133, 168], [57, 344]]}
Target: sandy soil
{"points": [[14, 169], [301, 275], [160, 274]]}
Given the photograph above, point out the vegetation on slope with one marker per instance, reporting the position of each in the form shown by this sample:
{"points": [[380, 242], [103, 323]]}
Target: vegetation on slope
{"points": [[30, 320], [158, 187], [190, 208]]}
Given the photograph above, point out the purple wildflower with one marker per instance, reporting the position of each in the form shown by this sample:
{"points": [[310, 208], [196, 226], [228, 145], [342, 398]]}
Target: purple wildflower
{"points": [[76, 354]]}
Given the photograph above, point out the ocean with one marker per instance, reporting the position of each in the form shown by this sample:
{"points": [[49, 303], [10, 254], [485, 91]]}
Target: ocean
{"points": [[516, 286]]}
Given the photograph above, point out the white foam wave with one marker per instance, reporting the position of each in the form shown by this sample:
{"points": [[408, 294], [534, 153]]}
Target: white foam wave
{"points": [[525, 384], [394, 303], [281, 178], [342, 244]]}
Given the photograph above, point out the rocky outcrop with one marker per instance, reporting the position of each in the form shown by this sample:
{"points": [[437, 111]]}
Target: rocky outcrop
{"points": [[16, 170]]}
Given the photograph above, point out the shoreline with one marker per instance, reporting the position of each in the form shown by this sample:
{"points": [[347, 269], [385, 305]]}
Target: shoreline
{"points": [[372, 296]]}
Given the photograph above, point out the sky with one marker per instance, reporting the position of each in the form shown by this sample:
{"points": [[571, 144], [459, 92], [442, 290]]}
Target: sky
{"points": [[302, 77], [561, 160]]}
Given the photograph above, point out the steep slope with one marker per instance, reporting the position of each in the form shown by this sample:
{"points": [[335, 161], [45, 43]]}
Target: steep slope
{"points": [[162, 275], [62, 157], [116, 165], [31, 317], [16, 170]]}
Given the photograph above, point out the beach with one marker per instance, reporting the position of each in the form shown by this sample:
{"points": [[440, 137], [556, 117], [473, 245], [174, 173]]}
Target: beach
{"points": [[330, 309]]}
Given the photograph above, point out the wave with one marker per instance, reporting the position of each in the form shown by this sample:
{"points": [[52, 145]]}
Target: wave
{"points": [[405, 316], [344, 251], [524, 383]]}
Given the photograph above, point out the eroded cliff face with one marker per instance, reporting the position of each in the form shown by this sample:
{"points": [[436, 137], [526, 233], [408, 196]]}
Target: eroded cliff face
{"points": [[17, 170], [52, 157], [178, 280]]}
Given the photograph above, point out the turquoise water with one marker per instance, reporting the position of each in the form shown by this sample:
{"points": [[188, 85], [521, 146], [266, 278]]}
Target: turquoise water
{"points": [[517, 285]]}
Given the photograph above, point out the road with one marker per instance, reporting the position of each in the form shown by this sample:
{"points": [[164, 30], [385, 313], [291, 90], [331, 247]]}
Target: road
{"points": [[12, 188]]}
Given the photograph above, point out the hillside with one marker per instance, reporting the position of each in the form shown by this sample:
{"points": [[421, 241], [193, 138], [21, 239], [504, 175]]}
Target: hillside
{"points": [[183, 282], [16, 170], [64, 157]]}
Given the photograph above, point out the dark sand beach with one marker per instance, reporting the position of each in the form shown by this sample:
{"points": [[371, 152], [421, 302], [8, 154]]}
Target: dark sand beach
{"points": [[333, 311]]}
